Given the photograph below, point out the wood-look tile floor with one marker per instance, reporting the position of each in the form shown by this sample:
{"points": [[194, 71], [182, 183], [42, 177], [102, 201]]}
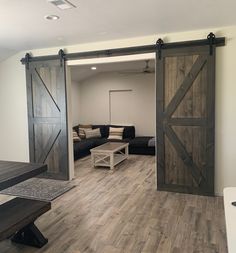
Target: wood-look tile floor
{"points": [[121, 211]]}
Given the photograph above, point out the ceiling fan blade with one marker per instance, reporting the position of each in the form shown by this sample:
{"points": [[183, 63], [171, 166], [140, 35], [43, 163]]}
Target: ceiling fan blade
{"points": [[130, 71], [146, 70], [135, 73]]}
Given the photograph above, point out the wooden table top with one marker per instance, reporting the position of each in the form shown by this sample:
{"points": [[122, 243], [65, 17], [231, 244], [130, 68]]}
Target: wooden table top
{"points": [[12, 173], [110, 147]]}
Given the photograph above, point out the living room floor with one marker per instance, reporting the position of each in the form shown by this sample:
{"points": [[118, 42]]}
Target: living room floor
{"points": [[121, 211]]}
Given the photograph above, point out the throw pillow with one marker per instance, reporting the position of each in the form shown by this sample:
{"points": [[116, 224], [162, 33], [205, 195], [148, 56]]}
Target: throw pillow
{"points": [[116, 133], [94, 133], [152, 142], [75, 136], [82, 129], [85, 126]]}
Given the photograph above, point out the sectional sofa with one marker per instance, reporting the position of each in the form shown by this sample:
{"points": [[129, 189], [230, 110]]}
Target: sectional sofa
{"points": [[137, 145]]}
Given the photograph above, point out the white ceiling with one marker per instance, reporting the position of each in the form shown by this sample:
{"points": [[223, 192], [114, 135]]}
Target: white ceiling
{"points": [[82, 72], [23, 27]]}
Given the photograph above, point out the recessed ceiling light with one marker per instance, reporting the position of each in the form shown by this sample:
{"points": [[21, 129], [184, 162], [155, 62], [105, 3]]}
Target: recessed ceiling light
{"points": [[94, 68], [52, 17]]}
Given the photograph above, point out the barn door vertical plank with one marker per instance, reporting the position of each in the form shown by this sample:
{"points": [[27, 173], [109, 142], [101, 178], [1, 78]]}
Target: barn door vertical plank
{"points": [[210, 111], [159, 120], [30, 107]]}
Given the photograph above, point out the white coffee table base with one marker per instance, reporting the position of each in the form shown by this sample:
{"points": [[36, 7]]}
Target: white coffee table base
{"points": [[108, 158]]}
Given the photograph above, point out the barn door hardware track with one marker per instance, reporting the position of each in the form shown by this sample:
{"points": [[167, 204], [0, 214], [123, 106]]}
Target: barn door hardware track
{"points": [[211, 40]]}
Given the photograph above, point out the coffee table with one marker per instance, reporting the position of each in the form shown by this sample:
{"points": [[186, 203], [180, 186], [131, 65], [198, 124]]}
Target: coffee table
{"points": [[109, 154]]}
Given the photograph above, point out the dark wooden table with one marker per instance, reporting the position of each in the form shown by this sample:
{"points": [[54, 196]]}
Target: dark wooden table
{"points": [[18, 215], [12, 173]]}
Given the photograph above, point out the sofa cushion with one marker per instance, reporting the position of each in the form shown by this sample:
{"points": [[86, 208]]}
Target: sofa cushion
{"points": [[82, 129], [76, 136], [129, 131], [93, 133], [139, 146], [84, 144], [140, 141], [142, 150], [82, 148], [76, 128], [99, 141], [116, 133], [123, 140], [103, 129]]}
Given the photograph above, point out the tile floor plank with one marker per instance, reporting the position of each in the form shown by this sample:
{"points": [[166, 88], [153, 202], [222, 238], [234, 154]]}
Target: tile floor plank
{"points": [[121, 212]]}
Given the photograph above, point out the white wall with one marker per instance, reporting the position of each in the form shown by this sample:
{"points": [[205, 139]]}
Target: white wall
{"points": [[13, 110], [94, 100], [75, 103]]}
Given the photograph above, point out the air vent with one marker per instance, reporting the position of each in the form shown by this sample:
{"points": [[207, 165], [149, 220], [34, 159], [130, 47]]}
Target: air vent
{"points": [[62, 4]]}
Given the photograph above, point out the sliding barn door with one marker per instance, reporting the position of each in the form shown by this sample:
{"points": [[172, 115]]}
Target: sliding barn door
{"points": [[47, 116], [185, 119]]}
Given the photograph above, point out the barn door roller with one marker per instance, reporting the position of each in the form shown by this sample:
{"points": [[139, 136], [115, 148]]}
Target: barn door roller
{"points": [[27, 60], [211, 40], [62, 55], [159, 44]]}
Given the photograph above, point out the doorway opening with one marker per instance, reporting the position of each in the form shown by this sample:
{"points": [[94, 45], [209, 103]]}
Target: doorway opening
{"points": [[116, 92]]}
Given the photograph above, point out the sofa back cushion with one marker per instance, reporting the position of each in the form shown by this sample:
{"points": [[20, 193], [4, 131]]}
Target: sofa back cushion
{"points": [[103, 129], [76, 136], [129, 131], [116, 133], [76, 128], [93, 133], [82, 129]]}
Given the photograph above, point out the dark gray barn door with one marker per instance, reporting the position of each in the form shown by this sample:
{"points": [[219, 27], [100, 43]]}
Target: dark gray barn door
{"points": [[185, 119], [47, 116]]}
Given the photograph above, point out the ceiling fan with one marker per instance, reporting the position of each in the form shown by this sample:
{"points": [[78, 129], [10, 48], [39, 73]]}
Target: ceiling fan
{"points": [[146, 70]]}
